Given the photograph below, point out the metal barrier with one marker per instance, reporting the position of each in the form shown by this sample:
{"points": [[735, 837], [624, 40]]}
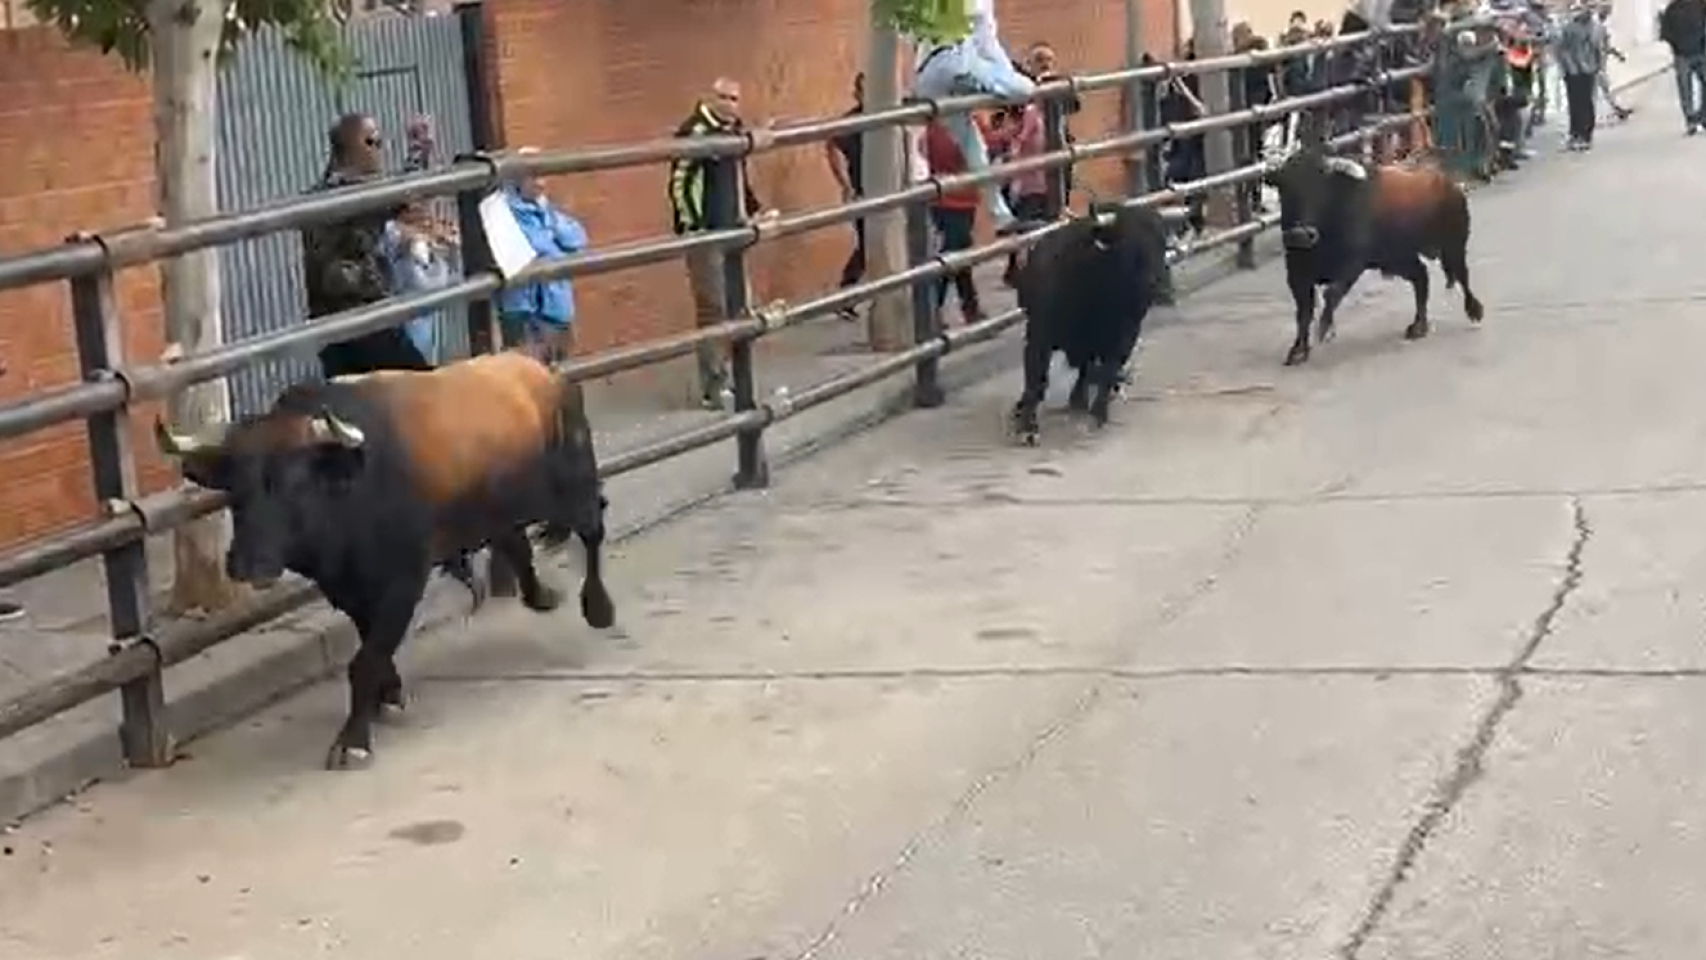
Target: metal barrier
{"points": [[142, 649]]}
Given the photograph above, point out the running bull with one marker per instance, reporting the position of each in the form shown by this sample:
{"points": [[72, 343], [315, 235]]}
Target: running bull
{"points": [[361, 483], [1085, 289], [1339, 219]]}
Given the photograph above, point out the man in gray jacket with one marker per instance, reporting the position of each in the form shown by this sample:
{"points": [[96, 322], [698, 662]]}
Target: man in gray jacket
{"points": [[1581, 56]]}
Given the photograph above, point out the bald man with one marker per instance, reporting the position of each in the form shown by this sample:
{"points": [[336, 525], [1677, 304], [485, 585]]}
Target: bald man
{"points": [[692, 199]]}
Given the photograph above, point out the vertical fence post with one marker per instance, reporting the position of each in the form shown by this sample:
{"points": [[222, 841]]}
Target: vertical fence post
{"points": [[1137, 167], [143, 732], [476, 256], [727, 212], [1054, 139], [926, 314], [1246, 149]]}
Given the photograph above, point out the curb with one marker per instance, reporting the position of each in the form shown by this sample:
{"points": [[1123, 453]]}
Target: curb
{"points": [[316, 643]]}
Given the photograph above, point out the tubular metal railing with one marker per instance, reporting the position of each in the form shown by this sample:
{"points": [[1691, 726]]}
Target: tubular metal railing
{"points": [[142, 647]]}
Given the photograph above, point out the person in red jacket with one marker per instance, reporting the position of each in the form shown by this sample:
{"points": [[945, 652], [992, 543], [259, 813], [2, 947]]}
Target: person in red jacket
{"points": [[955, 213]]}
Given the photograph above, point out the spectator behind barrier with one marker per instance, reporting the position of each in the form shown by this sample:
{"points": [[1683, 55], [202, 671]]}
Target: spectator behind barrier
{"points": [[343, 260], [846, 156], [539, 317], [692, 195], [954, 213]]}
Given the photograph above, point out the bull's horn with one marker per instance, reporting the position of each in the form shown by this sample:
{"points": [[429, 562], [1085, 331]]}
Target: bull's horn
{"points": [[1348, 167], [328, 428], [182, 444], [1105, 218]]}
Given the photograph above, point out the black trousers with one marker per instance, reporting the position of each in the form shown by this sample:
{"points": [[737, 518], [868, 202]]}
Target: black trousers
{"points": [[380, 350], [1579, 94], [955, 228], [854, 269]]}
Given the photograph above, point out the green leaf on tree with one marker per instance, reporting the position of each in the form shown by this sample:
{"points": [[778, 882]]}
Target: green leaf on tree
{"points": [[935, 20], [311, 27]]}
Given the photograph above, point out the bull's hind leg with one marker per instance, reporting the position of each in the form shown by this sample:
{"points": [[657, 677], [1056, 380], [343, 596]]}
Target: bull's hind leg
{"points": [[1415, 271], [1455, 263], [517, 551], [382, 622], [584, 519], [1037, 357], [597, 609]]}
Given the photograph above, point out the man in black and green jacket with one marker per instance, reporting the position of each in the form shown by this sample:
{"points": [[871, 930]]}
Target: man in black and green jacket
{"points": [[692, 199]]}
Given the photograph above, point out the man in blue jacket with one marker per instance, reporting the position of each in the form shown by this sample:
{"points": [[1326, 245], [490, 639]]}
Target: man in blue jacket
{"points": [[539, 317]]}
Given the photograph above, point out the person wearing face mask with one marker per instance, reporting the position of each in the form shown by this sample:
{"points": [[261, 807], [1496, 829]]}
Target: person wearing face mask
{"points": [[344, 261]]}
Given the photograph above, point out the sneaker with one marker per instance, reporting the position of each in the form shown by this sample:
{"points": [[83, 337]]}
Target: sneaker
{"points": [[10, 611]]}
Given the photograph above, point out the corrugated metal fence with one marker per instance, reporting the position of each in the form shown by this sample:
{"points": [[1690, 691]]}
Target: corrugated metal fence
{"points": [[274, 111]]}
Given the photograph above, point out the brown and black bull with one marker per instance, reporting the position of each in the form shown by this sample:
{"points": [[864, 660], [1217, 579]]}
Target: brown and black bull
{"points": [[1085, 289], [1339, 219], [361, 484]]}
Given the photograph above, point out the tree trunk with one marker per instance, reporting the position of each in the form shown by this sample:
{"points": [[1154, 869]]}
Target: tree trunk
{"points": [[184, 37], [890, 323]]}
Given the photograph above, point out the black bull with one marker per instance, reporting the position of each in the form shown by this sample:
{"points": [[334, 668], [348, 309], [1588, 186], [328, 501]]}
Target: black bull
{"points": [[1085, 289], [360, 484], [1338, 219]]}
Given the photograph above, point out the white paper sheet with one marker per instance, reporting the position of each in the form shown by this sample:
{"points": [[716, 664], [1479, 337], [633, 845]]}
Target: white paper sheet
{"points": [[510, 251]]}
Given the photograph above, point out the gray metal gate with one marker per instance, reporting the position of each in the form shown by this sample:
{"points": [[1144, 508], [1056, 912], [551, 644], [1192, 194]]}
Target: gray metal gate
{"points": [[274, 111]]}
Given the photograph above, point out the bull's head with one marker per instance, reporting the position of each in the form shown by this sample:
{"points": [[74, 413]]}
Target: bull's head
{"points": [[281, 471], [1305, 182]]}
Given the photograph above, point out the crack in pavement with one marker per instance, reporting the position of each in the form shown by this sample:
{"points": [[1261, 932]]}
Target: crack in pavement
{"points": [[1327, 495], [1168, 610], [909, 851], [1469, 766], [1057, 671]]}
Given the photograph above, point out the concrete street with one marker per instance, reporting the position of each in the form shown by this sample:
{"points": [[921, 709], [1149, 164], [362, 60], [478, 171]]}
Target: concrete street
{"points": [[1395, 655]]}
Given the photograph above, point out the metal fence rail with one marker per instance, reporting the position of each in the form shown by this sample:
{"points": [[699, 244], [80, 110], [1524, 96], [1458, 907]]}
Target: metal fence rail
{"points": [[143, 648]]}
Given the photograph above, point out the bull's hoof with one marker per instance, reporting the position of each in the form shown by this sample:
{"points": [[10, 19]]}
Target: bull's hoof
{"points": [[542, 600], [1416, 331], [344, 757], [597, 609], [1029, 438], [1324, 333], [1297, 356], [392, 713]]}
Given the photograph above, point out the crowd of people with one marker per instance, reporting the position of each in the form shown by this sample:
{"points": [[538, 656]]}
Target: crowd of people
{"points": [[1495, 70], [1490, 84]]}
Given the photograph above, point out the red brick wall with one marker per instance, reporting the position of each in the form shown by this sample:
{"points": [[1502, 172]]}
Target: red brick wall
{"points": [[585, 72], [76, 152], [76, 148]]}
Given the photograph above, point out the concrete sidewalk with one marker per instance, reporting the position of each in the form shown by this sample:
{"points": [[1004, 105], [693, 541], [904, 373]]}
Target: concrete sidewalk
{"points": [[1393, 656], [66, 625]]}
